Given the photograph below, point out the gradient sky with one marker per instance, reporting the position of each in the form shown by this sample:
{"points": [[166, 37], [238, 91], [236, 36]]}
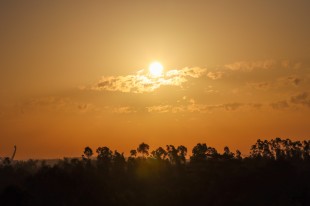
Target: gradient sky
{"points": [[75, 74]]}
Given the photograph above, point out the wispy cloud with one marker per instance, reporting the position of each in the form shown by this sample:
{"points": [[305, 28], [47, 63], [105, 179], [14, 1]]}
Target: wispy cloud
{"points": [[142, 82], [294, 80], [160, 108], [123, 110], [283, 81], [280, 105], [290, 64], [259, 85], [249, 66], [191, 106], [215, 74], [54, 103], [301, 99]]}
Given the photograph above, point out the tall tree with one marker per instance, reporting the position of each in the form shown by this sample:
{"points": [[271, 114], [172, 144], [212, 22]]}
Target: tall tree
{"points": [[227, 153], [143, 149], [88, 152], [173, 154], [119, 161], [104, 157], [199, 152], [182, 151], [238, 155], [133, 153], [159, 153]]}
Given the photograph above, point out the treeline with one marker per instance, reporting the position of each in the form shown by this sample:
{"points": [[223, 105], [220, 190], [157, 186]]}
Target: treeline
{"points": [[275, 149], [275, 173]]}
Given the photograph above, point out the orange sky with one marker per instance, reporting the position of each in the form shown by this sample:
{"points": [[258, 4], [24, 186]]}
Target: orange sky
{"points": [[75, 74]]}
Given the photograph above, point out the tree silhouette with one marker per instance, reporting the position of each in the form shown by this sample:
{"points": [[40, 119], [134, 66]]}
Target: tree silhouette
{"points": [[256, 150], [159, 153], [280, 176], [199, 153], [6, 161], [118, 161], [88, 152], [306, 149], [132, 159], [177, 155], [182, 151], [104, 158], [238, 155], [278, 149], [228, 154], [173, 155], [143, 149], [133, 153], [212, 153]]}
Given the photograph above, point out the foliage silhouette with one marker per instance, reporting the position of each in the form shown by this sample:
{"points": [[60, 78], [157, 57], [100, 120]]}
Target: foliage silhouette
{"points": [[143, 149], [199, 153], [275, 173], [88, 152], [159, 154]]}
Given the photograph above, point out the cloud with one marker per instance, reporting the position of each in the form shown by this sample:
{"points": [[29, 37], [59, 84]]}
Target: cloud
{"points": [[280, 105], [215, 75], [84, 107], [191, 106], [249, 66], [232, 106], [294, 80], [290, 64], [142, 82], [210, 90], [256, 105], [301, 99], [123, 110], [280, 82], [159, 108], [54, 103], [61, 105], [259, 85]]}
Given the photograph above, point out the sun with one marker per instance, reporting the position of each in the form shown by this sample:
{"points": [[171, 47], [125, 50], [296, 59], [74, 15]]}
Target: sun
{"points": [[156, 69]]}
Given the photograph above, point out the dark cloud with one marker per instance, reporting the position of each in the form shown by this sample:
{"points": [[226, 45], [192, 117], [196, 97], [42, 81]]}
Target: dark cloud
{"points": [[255, 105], [260, 85], [294, 80], [280, 105], [301, 99]]}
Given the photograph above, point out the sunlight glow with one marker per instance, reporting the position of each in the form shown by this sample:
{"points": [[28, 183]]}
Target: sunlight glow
{"points": [[156, 69]]}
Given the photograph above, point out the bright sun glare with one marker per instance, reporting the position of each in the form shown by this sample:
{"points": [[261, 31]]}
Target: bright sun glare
{"points": [[156, 69]]}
